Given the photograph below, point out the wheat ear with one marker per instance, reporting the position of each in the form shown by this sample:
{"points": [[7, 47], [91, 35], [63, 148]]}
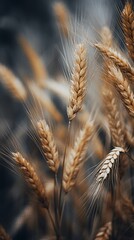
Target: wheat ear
{"points": [[76, 157], [3, 234], [48, 145], [124, 89], [106, 36], [12, 83], [37, 66], [108, 163], [104, 232], [117, 59], [128, 28], [62, 15], [114, 117], [78, 85], [31, 178]]}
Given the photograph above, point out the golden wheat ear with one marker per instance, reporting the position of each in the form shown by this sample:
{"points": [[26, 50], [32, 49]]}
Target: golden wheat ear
{"points": [[128, 28], [3, 234], [108, 164], [78, 84], [48, 145], [12, 83], [76, 157], [105, 232], [123, 87], [118, 59], [31, 178], [62, 15]]}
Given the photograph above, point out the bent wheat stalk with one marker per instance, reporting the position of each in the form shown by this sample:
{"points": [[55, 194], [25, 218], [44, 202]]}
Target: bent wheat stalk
{"points": [[78, 84], [108, 163], [128, 28]]}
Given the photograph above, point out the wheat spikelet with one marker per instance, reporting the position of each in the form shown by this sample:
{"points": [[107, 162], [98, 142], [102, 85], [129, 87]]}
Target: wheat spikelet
{"points": [[31, 178], [114, 117], [123, 88], [108, 163], [76, 157], [106, 36], [62, 15], [104, 232], [12, 83], [36, 64], [3, 234], [78, 85], [48, 145], [128, 28], [117, 59]]}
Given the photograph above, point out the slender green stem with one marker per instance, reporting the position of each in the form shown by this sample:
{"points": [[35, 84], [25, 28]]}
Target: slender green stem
{"points": [[53, 223], [56, 200]]}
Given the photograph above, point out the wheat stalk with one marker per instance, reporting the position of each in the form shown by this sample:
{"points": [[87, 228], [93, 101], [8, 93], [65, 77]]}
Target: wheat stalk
{"points": [[3, 234], [76, 157], [31, 178], [12, 83], [117, 59], [78, 85], [123, 88], [128, 28], [104, 232], [48, 145], [108, 163]]}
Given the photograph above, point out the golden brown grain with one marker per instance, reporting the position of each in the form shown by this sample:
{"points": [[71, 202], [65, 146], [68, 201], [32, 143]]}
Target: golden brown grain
{"points": [[48, 145], [78, 85], [31, 178], [104, 232], [3, 234]]}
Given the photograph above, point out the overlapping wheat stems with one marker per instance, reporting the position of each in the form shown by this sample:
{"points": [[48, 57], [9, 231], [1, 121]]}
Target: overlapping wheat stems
{"points": [[3, 234], [119, 60], [123, 87], [34, 183], [12, 83], [78, 82], [105, 232], [128, 28], [108, 164]]}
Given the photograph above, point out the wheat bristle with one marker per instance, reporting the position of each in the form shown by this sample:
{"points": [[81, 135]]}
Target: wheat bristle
{"points": [[3, 234], [12, 83], [78, 83], [31, 178], [124, 89], [108, 163], [117, 59], [128, 28], [104, 232], [76, 157], [48, 145]]}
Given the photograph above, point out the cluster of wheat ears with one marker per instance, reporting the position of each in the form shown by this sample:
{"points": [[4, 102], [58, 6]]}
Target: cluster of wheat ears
{"points": [[84, 196]]}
